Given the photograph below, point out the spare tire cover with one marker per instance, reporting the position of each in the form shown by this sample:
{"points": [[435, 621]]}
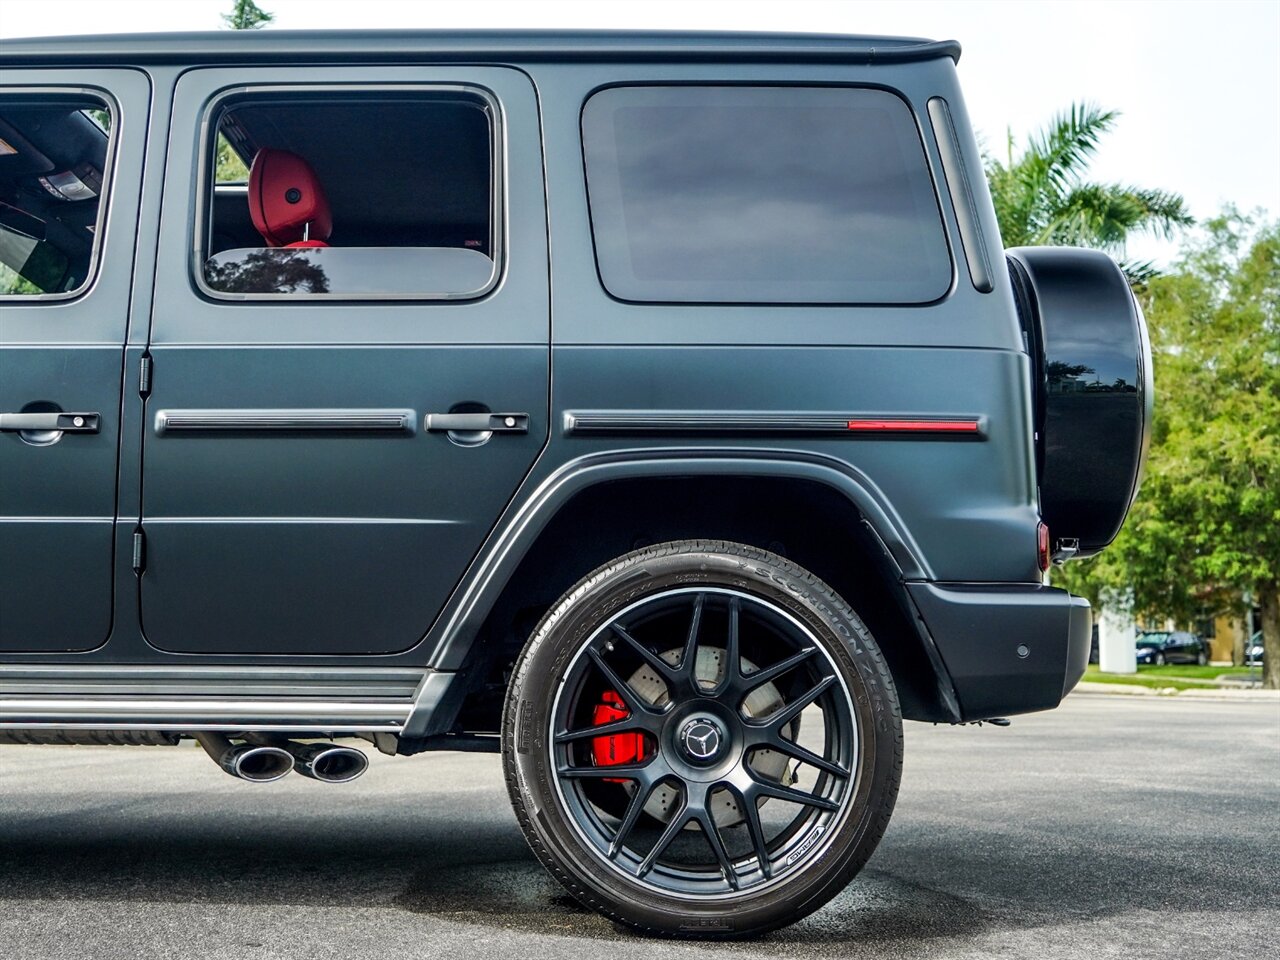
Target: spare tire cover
{"points": [[1092, 358]]}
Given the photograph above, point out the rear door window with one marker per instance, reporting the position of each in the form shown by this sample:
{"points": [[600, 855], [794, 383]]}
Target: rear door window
{"points": [[54, 151], [373, 193], [738, 194]]}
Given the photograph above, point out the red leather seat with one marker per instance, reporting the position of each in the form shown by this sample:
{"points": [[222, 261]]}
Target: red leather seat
{"points": [[287, 202]]}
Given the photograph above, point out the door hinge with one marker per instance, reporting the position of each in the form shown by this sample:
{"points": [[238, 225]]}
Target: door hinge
{"points": [[139, 551], [144, 375]]}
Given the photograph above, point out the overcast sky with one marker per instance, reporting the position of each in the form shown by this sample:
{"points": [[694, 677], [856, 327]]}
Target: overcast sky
{"points": [[1198, 82]]}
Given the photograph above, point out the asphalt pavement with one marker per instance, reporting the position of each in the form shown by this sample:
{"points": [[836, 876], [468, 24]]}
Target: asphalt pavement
{"points": [[1111, 827]]}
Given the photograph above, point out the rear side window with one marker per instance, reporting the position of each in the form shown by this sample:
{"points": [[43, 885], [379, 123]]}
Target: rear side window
{"points": [[704, 194], [54, 150], [363, 193]]}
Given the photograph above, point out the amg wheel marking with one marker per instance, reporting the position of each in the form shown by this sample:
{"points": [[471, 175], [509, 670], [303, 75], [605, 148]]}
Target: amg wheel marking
{"points": [[804, 847]]}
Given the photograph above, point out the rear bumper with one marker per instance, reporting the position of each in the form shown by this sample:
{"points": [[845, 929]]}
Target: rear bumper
{"points": [[1009, 647]]}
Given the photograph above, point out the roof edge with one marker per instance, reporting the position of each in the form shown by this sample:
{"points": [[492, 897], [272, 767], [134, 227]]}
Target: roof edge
{"points": [[531, 45]]}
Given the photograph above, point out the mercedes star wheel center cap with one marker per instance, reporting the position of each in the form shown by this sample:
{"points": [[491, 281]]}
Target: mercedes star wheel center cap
{"points": [[702, 739]]}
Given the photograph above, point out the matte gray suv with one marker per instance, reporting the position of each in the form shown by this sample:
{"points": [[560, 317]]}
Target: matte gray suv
{"points": [[658, 410]]}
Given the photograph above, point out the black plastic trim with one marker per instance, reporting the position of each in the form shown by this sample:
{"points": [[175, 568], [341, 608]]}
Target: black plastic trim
{"points": [[1008, 647], [972, 240]]}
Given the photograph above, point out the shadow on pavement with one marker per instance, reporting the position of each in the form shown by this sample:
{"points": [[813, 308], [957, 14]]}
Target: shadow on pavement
{"points": [[484, 874]]}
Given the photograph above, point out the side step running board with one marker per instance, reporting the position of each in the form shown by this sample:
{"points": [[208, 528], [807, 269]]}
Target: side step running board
{"points": [[322, 700], [292, 715]]}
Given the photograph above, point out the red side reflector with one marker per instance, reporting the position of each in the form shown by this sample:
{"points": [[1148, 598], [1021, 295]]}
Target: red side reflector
{"points": [[1042, 546], [913, 426]]}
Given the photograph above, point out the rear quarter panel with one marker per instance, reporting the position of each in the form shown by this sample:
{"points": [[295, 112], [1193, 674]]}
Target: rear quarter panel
{"points": [[971, 507]]}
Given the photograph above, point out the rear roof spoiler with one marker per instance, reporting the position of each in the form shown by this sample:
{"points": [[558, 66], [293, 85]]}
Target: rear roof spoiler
{"points": [[526, 45]]}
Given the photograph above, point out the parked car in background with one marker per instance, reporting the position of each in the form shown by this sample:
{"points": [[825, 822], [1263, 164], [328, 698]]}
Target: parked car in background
{"points": [[1253, 650], [1157, 647]]}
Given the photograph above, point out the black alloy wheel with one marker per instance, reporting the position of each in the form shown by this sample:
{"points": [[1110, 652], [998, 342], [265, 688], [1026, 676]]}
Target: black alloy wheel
{"points": [[702, 739]]}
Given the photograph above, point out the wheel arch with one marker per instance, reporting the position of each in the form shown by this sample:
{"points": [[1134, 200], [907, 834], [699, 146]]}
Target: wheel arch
{"points": [[820, 513]]}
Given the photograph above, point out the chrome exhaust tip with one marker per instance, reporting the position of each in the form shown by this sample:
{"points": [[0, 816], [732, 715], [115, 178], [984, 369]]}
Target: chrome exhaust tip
{"points": [[247, 761], [328, 762], [258, 764]]}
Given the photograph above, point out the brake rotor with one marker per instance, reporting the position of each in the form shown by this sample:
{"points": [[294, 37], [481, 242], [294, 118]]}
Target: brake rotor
{"points": [[762, 701]]}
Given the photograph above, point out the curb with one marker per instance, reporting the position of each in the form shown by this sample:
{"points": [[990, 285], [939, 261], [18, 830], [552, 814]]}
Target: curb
{"points": [[1137, 690]]}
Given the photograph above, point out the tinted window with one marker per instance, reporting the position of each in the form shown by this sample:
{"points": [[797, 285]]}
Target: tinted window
{"points": [[762, 194], [53, 165], [360, 194]]}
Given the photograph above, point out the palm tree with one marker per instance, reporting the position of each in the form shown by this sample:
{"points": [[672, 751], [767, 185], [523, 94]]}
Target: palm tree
{"points": [[1042, 198]]}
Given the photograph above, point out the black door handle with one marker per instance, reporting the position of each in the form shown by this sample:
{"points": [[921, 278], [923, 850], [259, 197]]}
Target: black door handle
{"points": [[477, 422], [66, 422]]}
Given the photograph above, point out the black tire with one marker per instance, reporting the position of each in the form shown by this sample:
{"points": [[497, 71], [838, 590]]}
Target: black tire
{"points": [[773, 884]]}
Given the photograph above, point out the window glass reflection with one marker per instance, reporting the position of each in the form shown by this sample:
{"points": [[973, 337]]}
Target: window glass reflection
{"points": [[762, 194]]}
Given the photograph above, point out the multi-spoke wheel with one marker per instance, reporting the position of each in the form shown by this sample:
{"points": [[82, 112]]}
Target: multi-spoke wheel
{"points": [[702, 738]]}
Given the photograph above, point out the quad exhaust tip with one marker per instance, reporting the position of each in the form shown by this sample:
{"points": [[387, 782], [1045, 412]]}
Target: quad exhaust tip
{"points": [[256, 763], [263, 760], [259, 764], [328, 762]]}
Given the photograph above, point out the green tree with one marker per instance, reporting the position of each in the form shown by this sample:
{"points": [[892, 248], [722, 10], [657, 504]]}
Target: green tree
{"points": [[247, 15], [244, 15], [229, 168], [1206, 529], [1042, 197], [12, 282]]}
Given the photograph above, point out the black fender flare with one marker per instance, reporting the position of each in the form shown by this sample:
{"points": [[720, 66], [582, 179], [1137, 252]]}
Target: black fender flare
{"points": [[450, 637]]}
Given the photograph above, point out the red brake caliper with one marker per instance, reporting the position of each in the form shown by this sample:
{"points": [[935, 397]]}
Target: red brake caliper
{"points": [[619, 748]]}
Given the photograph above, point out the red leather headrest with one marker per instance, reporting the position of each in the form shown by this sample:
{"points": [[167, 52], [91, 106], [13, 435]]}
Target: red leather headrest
{"points": [[284, 197]]}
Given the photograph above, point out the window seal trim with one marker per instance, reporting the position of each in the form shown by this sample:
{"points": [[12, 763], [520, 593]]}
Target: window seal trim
{"points": [[498, 225], [955, 172], [97, 248]]}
